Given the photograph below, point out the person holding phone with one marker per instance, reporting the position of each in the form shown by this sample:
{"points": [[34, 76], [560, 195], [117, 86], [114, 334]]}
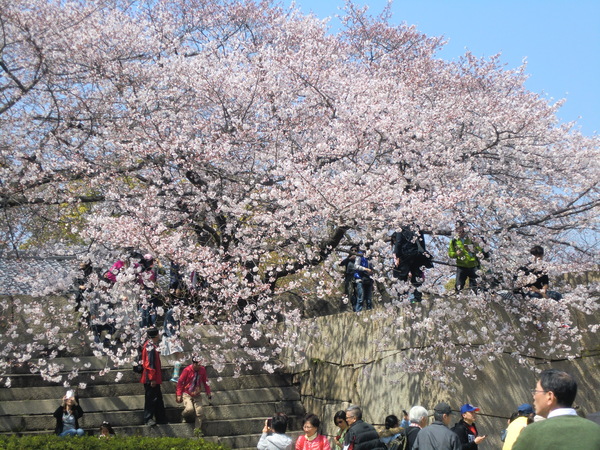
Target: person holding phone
{"points": [[67, 416], [466, 428], [273, 434]]}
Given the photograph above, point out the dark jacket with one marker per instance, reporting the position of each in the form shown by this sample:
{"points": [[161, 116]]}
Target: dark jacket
{"points": [[364, 436], [406, 243], [409, 246], [436, 436], [465, 435], [58, 415], [411, 436]]}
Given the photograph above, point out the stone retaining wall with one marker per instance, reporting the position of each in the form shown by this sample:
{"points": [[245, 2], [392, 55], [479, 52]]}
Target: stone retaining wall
{"points": [[350, 360]]}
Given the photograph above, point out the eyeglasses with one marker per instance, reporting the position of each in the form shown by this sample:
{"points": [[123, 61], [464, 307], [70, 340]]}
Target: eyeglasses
{"points": [[339, 422], [535, 391]]}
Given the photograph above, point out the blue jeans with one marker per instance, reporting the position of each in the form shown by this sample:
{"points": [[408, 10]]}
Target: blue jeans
{"points": [[364, 296], [148, 316], [171, 326], [75, 432]]}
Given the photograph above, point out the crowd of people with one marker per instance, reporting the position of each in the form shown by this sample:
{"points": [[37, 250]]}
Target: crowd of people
{"points": [[411, 259], [124, 303], [132, 283], [550, 423], [190, 384]]}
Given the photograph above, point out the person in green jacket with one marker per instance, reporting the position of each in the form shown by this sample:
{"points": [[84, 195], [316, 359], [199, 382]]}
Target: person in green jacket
{"points": [[465, 252], [553, 399]]}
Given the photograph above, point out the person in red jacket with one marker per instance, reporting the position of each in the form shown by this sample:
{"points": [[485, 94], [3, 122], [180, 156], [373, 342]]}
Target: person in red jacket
{"points": [[154, 405], [189, 388]]}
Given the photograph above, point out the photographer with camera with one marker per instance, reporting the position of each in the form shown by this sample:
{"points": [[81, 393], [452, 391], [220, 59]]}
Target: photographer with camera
{"points": [[273, 434]]}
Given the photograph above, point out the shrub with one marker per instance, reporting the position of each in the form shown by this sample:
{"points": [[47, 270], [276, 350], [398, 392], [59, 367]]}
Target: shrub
{"points": [[52, 442]]}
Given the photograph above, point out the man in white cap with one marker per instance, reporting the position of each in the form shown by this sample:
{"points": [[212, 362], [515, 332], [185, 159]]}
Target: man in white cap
{"points": [[189, 388]]}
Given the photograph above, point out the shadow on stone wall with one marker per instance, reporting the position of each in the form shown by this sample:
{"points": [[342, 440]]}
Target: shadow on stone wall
{"points": [[354, 358]]}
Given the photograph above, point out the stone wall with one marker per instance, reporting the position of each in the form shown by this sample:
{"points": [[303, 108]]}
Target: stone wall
{"points": [[350, 360]]}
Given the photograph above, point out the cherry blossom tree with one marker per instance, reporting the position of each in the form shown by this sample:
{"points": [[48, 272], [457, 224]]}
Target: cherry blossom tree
{"points": [[250, 144]]}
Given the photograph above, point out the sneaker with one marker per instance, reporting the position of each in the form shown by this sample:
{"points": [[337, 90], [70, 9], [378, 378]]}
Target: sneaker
{"points": [[414, 299], [151, 423], [174, 380]]}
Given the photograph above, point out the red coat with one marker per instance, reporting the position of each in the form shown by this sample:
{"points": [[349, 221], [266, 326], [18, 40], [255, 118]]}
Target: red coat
{"points": [[151, 362], [184, 385]]}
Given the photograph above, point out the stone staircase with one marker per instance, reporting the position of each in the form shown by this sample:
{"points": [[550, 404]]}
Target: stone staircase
{"points": [[234, 417]]}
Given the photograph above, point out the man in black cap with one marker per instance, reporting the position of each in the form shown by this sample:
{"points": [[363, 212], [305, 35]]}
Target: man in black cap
{"points": [[438, 436]]}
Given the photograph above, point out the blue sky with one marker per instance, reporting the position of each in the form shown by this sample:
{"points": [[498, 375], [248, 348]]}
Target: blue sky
{"points": [[559, 38]]}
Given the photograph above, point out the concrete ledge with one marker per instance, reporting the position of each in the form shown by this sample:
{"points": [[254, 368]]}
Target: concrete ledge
{"points": [[246, 441], [183, 430], [129, 377]]}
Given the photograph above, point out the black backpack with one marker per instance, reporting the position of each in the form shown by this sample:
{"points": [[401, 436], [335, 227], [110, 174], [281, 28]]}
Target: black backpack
{"points": [[138, 362], [398, 443]]}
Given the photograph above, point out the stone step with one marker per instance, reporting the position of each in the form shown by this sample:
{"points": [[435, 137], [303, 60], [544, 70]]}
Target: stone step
{"points": [[128, 376], [247, 420], [88, 421], [245, 441], [244, 410], [136, 402], [182, 430], [79, 343], [87, 377], [256, 395], [92, 363], [91, 391], [243, 396], [224, 397], [250, 425]]}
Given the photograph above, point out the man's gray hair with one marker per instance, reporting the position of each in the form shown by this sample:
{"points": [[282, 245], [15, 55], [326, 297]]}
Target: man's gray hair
{"points": [[356, 411], [416, 414]]}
